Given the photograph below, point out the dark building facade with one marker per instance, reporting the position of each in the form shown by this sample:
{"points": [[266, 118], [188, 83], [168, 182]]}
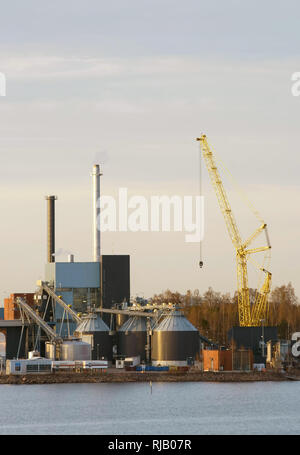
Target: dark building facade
{"points": [[15, 338], [251, 338], [115, 279]]}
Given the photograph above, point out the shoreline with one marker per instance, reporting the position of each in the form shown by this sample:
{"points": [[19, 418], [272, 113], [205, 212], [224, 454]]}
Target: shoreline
{"points": [[126, 377]]}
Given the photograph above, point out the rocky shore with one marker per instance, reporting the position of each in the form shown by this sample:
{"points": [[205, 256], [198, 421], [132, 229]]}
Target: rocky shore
{"points": [[118, 377]]}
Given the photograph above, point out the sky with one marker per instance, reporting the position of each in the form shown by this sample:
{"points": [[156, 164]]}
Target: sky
{"points": [[130, 85]]}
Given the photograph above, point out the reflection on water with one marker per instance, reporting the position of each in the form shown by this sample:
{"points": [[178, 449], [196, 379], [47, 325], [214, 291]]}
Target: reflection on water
{"points": [[172, 408]]}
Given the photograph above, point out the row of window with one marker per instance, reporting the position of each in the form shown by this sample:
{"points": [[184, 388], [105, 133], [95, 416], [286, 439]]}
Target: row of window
{"points": [[83, 298], [34, 368]]}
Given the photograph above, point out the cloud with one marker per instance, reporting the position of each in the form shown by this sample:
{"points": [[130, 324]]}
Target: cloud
{"points": [[61, 252], [53, 67], [101, 157], [41, 66]]}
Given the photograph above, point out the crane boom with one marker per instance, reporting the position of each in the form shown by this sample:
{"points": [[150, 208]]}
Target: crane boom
{"points": [[248, 316]]}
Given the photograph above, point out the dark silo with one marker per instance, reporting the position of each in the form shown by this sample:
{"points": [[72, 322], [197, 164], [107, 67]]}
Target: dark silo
{"points": [[94, 329], [132, 337], [174, 341]]}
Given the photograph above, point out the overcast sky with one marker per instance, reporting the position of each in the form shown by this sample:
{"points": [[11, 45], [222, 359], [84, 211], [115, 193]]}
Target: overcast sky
{"points": [[131, 84]]}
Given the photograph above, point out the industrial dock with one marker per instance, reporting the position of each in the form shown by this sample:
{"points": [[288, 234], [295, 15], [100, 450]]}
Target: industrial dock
{"points": [[119, 377]]}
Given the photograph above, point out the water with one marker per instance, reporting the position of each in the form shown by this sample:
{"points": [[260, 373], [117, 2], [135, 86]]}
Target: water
{"points": [[172, 408]]}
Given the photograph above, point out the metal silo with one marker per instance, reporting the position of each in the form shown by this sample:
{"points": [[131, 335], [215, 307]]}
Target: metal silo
{"points": [[94, 330], [75, 350], [120, 320], [132, 337], [174, 341]]}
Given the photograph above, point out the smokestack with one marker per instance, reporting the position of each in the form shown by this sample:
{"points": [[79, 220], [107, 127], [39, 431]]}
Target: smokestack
{"points": [[96, 212], [51, 227]]}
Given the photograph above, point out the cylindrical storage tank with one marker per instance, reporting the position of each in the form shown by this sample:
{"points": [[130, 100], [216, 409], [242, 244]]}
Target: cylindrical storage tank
{"points": [[132, 338], [94, 330], [174, 341], [75, 350], [50, 350], [120, 320]]}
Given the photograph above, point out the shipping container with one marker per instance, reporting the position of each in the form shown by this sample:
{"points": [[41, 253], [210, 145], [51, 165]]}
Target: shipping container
{"points": [[95, 365], [132, 361]]}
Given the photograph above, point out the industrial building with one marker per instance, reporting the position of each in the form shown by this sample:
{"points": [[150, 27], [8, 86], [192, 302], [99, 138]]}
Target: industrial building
{"points": [[82, 312], [227, 360], [254, 338], [83, 285], [11, 309]]}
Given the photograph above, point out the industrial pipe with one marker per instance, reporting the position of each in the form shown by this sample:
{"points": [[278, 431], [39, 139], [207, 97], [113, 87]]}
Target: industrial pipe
{"points": [[51, 228], [96, 212]]}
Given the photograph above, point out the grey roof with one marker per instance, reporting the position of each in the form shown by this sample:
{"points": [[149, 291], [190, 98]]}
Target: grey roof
{"points": [[175, 322], [134, 324], [92, 323]]}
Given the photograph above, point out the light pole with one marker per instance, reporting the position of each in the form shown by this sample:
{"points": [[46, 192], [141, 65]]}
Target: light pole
{"points": [[263, 337]]}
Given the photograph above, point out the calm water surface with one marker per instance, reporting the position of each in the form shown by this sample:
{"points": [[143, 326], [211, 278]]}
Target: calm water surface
{"points": [[172, 408]]}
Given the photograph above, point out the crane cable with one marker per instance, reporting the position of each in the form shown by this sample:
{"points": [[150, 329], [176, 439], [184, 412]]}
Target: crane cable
{"points": [[240, 192], [201, 201]]}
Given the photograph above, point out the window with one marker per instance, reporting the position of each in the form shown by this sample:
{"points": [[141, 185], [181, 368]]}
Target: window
{"points": [[95, 297], [80, 299], [45, 367], [32, 368], [84, 298], [38, 367]]}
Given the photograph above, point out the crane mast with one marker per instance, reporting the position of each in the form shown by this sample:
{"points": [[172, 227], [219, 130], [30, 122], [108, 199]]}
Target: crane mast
{"points": [[248, 315]]}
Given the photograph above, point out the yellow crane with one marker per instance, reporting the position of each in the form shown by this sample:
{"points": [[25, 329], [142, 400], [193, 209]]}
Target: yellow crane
{"points": [[257, 312]]}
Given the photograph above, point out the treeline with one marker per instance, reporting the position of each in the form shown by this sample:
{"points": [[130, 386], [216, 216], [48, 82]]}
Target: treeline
{"points": [[214, 313]]}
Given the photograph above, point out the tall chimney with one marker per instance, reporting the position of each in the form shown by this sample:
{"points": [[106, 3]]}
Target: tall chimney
{"points": [[50, 227], [96, 212]]}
